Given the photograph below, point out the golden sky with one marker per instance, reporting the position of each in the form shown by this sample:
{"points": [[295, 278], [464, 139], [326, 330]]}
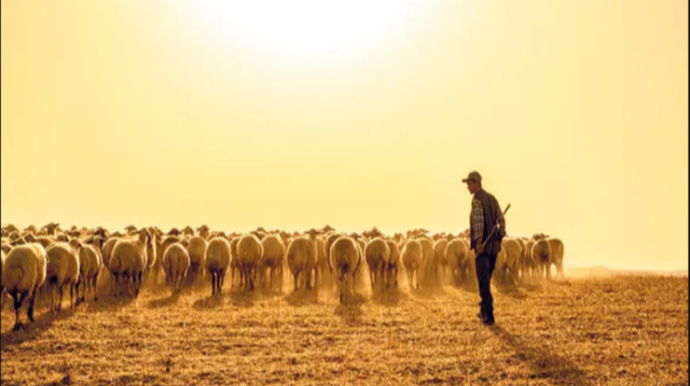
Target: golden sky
{"points": [[174, 112]]}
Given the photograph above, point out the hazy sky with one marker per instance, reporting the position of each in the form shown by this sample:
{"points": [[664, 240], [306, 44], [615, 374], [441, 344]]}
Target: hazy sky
{"points": [[171, 113]]}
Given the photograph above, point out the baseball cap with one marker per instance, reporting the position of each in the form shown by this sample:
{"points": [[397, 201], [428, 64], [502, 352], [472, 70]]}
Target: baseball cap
{"points": [[473, 176]]}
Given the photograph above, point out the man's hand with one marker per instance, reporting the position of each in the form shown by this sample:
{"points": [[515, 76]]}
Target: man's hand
{"points": [[479, 248]]}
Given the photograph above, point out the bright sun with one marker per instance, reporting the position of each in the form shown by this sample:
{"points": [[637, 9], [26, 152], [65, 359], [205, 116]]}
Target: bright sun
{"points": [[305, 27]]}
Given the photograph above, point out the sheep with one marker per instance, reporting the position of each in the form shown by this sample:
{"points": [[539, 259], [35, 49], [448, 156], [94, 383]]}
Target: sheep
{"points": [[440, 255], [129, 259], [160, 254], [218, 259], [197, 251], [345, 259], [45, 241], [359, 272], [523, 252], [377, 253], [557, 250], [62, 270], [394, 263], [513, 258], [322, 270], [90, 263], [51, 228], [235, 264], [456, 256], [106, 253], [249, 252], [188, 231], [6, 248], [529, 263], [301, 258], [204, 232], [176, 263], [412, 257], [151, 253], [427, 266], [541, 253], [273, 257], [23, 273]]}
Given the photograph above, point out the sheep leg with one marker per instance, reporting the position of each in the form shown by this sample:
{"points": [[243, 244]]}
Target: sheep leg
{"points": [[59, 305], [221, 282], [371, 278], [71, 296], [32, 301], [296, 275], [18, 301], [94, 284], [52, 297]]}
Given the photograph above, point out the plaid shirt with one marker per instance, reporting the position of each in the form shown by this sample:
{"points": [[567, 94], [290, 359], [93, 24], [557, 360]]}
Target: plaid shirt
{"points": [[477, 218]]}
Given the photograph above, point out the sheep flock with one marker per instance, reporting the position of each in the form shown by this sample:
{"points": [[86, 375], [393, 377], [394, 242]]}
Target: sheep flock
{"points": [[50, 261]]}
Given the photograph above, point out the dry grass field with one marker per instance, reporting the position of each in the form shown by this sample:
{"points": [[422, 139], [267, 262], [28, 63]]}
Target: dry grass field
{"points": [[603, 331]]}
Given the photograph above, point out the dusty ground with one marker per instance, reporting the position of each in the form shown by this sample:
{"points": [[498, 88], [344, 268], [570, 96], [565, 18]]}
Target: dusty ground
{"points": [[616, 331]]}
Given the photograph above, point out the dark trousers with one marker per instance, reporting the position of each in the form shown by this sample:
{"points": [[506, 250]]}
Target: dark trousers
{"points": [[485, 264]]}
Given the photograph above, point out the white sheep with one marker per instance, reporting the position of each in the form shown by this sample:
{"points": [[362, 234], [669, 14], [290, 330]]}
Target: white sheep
{"points": [[427, 268], [301, 256], [197, 251], [513, 258], [272, 261], [23, 273], [160, 255], [218, 260], [62, 270], [235, 265], [529, 264], [394, 263], [90, 263], [176, 263], [250, 252], [151, 254], [440, 256], [456, 256], [345, 259], [322, 270], [129, 259], [377, 253], [541, 253], [412, 257], [557, 250]]}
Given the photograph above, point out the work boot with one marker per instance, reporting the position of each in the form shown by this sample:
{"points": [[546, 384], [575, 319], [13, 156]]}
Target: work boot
{"points": [[489, 318]]}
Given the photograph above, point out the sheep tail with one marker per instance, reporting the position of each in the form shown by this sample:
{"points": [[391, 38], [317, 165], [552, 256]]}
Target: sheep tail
{"points": [[343, 271]]}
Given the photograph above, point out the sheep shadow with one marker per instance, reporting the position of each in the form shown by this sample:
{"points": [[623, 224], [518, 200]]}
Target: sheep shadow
{"points": [[543, 363], [164, 302], [511, 291], [242, 298], [107, 304], [389, 297], [531, 286], [34, 330], [209, 303], [351, 312], [302, 297], [429, 292]]}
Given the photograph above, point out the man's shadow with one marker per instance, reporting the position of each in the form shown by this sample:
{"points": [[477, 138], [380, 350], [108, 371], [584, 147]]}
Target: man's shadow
{"points": [[543, 363]]}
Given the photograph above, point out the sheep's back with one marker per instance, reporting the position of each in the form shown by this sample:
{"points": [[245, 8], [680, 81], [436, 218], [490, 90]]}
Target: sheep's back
{"points": [[218, 255]]}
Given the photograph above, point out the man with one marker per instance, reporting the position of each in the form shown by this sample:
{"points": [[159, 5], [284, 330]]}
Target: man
{"points": [[486, 213]]}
